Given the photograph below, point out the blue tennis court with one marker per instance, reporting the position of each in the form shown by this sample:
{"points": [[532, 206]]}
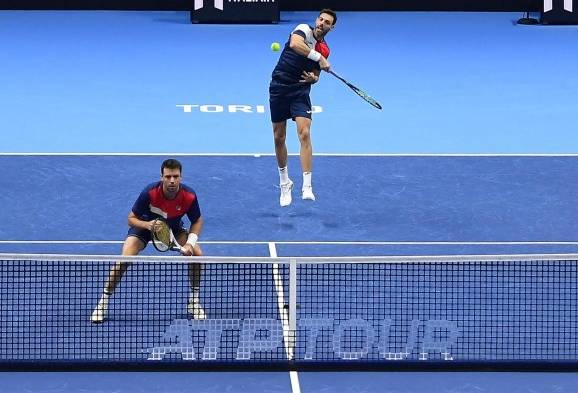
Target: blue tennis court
{"points": [[472, 154]]}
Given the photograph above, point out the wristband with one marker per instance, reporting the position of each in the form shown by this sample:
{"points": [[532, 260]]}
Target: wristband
{"points": [[314, 55], [192, 239]]}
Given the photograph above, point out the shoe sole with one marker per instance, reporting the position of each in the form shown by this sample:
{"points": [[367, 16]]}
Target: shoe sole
{"points": [[290, 200], [96, 322], [192, 314]]}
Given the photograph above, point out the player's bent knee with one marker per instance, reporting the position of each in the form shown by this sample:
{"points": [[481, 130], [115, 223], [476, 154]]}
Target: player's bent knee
{"points": [[280, 136], [132, 246], [304, 134], [280, 128], [197, 252]]}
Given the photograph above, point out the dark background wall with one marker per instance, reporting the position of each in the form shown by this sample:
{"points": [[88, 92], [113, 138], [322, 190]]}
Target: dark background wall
{"points": [[286, 5]]}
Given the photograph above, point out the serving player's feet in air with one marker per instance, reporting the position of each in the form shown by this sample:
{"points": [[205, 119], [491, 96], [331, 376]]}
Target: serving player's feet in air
{"points": [[286, 187], [285, 197]]}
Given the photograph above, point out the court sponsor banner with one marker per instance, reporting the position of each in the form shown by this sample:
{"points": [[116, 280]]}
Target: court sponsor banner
{"points": [[317, 339], [556, 12], [235, 11]]}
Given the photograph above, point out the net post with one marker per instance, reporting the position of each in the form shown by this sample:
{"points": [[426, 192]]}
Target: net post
{"points": [[292, 304]]}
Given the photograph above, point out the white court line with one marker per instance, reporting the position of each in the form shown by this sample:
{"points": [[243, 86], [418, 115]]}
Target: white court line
{"points": [[283, 313], [268, 154], [361, 243], [295, 388]]}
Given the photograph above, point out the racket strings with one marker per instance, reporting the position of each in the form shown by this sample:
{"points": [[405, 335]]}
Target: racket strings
{"points": [[162, 233], [367, 97], [358, 91]]}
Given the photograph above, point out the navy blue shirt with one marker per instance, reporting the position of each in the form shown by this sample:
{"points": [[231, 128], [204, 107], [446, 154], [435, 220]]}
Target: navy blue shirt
{"points": [[287, 73]]}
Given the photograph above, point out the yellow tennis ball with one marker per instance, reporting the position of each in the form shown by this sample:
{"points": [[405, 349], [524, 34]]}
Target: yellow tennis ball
{"points": [[275, 47]]}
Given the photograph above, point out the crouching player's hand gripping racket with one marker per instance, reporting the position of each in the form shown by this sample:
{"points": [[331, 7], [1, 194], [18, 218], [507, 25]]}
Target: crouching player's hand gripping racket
{"points": [[163, 238]]}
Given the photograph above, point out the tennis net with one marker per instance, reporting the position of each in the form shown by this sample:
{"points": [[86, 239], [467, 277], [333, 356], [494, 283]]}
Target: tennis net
{"points": [[291, 312]]}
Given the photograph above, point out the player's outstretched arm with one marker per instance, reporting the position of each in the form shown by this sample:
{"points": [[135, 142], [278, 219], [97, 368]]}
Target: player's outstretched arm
{"points": [[297, 43]]}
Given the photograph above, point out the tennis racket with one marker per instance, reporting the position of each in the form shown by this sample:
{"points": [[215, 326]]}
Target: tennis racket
{"points": [[357, 90], [163, 238]]}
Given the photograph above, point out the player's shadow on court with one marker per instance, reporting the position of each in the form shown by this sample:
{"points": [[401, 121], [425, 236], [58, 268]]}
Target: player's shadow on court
{"points": [[293, 218], [330, 224]]}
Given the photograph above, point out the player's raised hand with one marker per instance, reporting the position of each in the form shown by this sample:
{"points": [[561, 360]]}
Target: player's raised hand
{"points": [[324, 64]]}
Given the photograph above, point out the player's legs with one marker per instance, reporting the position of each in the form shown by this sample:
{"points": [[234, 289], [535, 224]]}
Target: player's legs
{"points": [[306, 149], [280, 112], [194, 306], [306, 155], [301, 111], [132, 245], [279, 134], [285, 183]]}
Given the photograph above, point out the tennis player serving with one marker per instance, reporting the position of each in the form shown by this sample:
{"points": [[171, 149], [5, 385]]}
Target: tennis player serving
{"points": [[304, 56], [169, 200]]}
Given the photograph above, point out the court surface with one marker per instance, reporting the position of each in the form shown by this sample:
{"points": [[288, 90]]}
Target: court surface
{"points": [[472, 154]]}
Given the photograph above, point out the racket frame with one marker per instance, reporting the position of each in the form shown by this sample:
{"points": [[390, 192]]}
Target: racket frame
{"points": [[369, 99], [173, 246]]}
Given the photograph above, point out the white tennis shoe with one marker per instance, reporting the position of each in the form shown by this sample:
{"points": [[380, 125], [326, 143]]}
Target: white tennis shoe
{"points": [[307, 193], [100, 311], [196, 311], [285, 197]]}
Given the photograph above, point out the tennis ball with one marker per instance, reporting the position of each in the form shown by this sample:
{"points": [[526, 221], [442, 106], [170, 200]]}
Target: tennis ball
{"points": [[275, 47]]}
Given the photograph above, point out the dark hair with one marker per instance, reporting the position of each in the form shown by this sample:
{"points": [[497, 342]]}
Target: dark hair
{"points": [[171, 164], [329, 12]]}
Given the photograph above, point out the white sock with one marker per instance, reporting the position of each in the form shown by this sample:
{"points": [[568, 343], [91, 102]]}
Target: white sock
{"points": [[194, 296], [283, 175], [306, 179], [104, 299]]}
